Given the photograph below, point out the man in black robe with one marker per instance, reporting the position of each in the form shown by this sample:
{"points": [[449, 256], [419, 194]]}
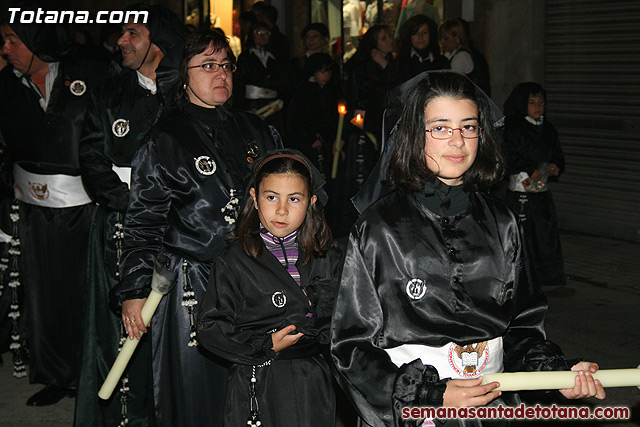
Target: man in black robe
{"points": [[45, 92], [117, 122]]}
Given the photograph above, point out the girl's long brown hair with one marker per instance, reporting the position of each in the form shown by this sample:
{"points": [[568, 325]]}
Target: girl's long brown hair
{"points": [[313, 234]]}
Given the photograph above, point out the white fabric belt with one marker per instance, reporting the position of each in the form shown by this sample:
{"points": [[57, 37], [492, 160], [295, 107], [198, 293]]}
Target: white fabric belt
{"points": [[256, 92], [515, 184], [124, 173], [52, 191], [451, 360]]}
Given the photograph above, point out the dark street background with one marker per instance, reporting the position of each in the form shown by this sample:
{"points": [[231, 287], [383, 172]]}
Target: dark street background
{"points": [[599, 323]]}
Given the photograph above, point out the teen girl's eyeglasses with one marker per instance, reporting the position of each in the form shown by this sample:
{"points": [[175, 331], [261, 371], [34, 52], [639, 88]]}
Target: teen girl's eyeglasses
{"points": [[445, 132], [212, 67]]}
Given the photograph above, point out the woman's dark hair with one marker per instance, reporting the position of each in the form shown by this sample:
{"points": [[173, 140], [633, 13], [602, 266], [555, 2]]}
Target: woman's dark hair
{"points": [[368, 42], [518, 100], [314, 232], [196, 43], [408, 167], [411, 27], [251, 40]]}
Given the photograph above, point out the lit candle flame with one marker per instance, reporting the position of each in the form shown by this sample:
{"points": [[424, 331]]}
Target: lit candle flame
{"points": [[342, 109]]}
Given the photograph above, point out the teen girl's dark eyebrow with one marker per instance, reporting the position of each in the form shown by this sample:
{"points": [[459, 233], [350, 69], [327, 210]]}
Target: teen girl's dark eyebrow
{"points": [[448, 120]]}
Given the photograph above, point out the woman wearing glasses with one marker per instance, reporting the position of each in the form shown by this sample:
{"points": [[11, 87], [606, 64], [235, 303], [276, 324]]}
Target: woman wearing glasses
{"points": [[186, 184], [434, 292]]}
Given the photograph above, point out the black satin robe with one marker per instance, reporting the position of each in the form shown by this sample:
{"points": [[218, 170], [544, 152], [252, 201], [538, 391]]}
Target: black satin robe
{"points": [[122, 97], [477, 289], [237, 318], [526, 146], [178, 210], [53, 240]]}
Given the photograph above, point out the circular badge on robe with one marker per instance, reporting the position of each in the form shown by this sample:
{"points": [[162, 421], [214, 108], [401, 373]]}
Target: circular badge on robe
{"points": [[416, 289], [252, 152], [78, 87], [120, 127], [279, 299], [205, 165]]}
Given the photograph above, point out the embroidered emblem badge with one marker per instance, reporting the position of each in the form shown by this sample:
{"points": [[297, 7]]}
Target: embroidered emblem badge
{"points": [[78, 87], [205, 165], [38, 191], [252, 152], [469, 360], [279, 299], [416, 289], [120, 127]]}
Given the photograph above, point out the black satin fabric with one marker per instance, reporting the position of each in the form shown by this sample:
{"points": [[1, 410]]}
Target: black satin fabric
{"points": [[53, 245], [53, 241], [237, 318], [122, 97], [47, 140], [189, 383], [477, 289], [526, 145], [538, 217], [291, 393], [238, 315], [176, 209], [174, 206], [100, 149]]}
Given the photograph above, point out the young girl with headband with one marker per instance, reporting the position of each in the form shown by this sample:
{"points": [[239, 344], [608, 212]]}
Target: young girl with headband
{"points": [[270, 298]]}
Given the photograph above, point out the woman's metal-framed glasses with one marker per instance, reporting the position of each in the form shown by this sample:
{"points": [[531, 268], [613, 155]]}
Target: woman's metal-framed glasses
{"points": [[212, 67], [445, 132]]}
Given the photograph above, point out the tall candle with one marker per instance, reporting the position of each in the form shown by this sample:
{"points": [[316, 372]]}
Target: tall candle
{"points": [[342, 111], [128, 348], [556, 380]]}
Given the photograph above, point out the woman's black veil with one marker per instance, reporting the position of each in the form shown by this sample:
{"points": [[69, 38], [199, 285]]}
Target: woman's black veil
{"points": [[375, 187]]}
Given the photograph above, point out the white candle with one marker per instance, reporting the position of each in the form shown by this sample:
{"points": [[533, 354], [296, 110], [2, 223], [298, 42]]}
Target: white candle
{"points": [[342, 111], [128, 348], [556, 380]]}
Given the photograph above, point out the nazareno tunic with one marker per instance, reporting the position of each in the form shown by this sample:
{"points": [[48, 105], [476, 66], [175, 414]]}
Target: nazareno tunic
{"points": [[527, 146], [186, 184], [104, 148], [412, 276], [53, 240], [243, 306]]}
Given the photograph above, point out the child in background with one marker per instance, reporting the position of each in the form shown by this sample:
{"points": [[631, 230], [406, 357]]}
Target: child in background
{"points": [[534, 154], [270, 299]]}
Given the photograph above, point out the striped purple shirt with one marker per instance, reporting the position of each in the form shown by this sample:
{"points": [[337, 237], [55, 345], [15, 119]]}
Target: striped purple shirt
{"points": [[285, 249]]}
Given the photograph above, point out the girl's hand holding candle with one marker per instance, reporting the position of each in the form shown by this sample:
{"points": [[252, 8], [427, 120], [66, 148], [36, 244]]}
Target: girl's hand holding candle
{"points": [[566, 380]]}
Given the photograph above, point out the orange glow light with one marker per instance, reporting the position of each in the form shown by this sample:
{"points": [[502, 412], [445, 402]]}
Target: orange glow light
{"points": [[342, 109]]}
